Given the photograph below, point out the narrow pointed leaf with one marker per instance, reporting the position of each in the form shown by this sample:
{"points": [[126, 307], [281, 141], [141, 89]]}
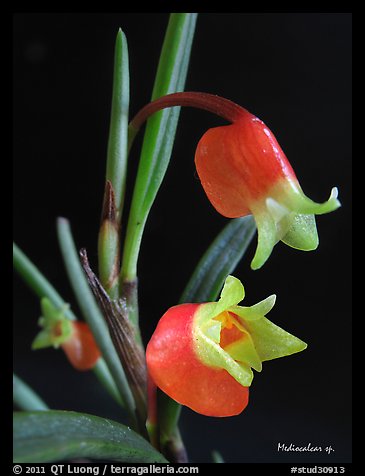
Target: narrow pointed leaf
{"points": [[37, 282], [116, 170], [25, 398], [217, 457], [159, 135], [92, 313], [220, 259], [41, 437], [118, 132], [101, 371]]}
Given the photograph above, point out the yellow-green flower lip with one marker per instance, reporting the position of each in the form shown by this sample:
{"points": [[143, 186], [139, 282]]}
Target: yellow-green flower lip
{"points": [[256, 338]]}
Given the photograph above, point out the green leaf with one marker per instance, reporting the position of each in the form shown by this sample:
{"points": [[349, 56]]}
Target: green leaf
{"points": [[159, 135], [37, 281], [92, 313], [41, 437], [116, 168], [116, 171], [101, 371], [220, 259], [217, 457], [25, 398]]}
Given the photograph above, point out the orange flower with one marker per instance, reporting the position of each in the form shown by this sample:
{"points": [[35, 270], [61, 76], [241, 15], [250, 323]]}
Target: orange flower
{"points": [[202, 355], [74, 337], [243, 170]]}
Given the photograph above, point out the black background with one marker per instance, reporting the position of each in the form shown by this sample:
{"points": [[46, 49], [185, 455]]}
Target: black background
{"points": [[292, 70]]}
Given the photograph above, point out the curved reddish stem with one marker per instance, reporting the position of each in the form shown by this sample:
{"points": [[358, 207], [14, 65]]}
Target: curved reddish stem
{"points": [[209, 102]]}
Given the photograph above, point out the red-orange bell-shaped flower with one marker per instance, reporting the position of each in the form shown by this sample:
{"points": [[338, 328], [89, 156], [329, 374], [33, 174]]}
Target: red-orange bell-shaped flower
{"points": [[243, 170], [74, 337], [80, 348], [201, 355]]}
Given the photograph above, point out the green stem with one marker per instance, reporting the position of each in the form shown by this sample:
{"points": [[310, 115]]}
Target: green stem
{"points": [[152, 413], [93, 316], [25, 398], [174, 448]]}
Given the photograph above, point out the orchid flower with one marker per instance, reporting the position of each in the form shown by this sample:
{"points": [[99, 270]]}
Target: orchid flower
{"points": [[202, 355], [74, 337]]}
